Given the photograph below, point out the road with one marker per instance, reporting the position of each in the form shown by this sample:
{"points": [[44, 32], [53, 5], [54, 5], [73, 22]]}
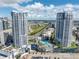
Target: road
{"points": [[38, 34]]}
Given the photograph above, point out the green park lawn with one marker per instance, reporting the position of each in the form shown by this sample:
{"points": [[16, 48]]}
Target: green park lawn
{"points": [[37, 28]]}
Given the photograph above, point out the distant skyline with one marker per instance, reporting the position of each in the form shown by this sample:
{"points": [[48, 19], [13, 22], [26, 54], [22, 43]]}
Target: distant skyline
{"points": [[38, 8]]}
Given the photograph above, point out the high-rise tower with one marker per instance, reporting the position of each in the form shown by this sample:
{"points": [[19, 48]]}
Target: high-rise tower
{"points": [[64, 28], [19, 21]]}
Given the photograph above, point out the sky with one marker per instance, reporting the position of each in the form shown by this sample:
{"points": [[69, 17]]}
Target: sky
{"points": [[43, 9]]}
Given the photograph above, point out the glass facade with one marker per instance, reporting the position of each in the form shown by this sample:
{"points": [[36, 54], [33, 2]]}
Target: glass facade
{"points": [[64, 28], [5, 24], [18, 26], [59, 26], [1, 33]]}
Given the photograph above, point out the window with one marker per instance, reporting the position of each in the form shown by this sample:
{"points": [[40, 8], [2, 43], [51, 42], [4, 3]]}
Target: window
{"points": [[37, 57]]}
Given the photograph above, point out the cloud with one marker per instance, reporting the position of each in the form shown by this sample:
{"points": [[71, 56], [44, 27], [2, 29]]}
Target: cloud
{"points": [[12, 3], [40, 11]]}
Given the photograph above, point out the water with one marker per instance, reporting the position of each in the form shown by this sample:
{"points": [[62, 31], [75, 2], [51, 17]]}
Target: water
{"points": [[47, 45]]}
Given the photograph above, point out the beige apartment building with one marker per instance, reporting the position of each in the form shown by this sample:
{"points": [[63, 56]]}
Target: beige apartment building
{"points": [[50, 56]]}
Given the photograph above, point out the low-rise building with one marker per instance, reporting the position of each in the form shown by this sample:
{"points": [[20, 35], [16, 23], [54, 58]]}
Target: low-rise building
{"points": [[50, 56]]}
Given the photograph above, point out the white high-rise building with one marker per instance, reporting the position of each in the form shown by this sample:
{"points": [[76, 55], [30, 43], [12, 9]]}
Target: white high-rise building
{"points": [[64, 28], [1, 33], [19, 27]]}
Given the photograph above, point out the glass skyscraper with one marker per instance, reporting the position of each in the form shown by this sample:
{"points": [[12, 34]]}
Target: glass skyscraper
{"points": [[19, 28], [64, 28], [5, 23], [3, 26]]}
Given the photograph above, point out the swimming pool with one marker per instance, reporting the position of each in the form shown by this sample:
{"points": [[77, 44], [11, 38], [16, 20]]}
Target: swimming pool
{"points": [[48, 46]]}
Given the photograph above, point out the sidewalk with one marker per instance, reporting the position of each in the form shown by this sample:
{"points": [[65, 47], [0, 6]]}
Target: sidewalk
{"points": [[10, 57]]}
